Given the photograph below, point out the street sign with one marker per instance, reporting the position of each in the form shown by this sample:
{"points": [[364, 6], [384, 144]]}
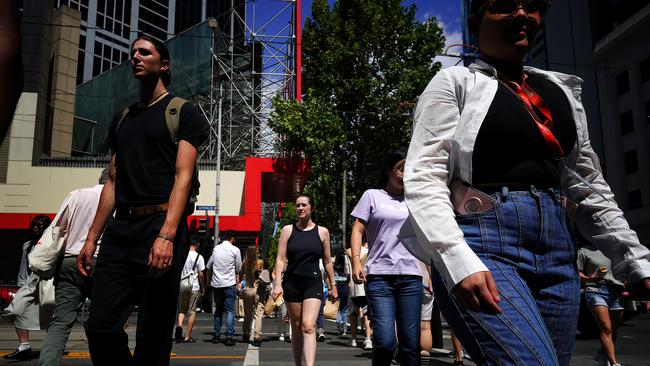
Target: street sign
{"points": [[205, 208]]}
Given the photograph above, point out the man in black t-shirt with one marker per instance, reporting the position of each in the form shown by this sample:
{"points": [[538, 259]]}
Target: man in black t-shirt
{"points": [[144, 247]]}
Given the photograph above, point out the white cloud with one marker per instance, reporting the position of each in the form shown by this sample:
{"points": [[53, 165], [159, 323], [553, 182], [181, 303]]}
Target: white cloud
{"points": [[452, 36]]}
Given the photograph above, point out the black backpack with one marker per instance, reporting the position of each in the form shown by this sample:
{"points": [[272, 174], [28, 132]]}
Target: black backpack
{"points": [[172, 120]]}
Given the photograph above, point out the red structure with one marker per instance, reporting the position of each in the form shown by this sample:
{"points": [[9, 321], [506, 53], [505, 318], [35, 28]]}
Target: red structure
{"points": [[266, 180]]}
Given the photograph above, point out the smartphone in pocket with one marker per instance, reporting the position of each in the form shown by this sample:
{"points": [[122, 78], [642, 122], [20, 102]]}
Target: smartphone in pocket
{"points": [[469, 200]]}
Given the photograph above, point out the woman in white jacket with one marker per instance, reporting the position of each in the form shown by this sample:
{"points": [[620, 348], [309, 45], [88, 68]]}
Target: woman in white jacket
{"points": [[499, 159]]}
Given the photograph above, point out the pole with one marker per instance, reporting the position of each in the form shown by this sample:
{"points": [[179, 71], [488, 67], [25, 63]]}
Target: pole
{"points": [[218, 185], [344, 212], [298, 65]]}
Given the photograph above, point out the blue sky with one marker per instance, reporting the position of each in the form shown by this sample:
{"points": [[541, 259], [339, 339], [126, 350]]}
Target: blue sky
{"points": [[447, 12]]}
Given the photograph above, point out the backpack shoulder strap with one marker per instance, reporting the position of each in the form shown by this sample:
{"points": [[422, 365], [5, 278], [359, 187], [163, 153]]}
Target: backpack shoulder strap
{"points": [[172, 116], [120, 118]]}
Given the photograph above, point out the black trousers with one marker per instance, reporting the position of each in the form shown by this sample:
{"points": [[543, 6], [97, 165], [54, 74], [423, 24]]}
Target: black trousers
{"points": [[123, 279]]}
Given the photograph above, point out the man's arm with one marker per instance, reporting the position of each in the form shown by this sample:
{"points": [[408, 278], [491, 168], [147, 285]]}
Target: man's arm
{"points": [[201, 283], [105, 210], [161, 254]]}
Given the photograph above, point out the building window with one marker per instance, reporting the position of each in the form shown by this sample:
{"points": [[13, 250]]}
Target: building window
{"points": [[622, 83], [627, 123], [634, 199], [631, 162], [645, 69]]}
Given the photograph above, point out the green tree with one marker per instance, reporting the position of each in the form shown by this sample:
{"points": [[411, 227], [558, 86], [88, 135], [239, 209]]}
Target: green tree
{"points": [[314, 130], [362, 60], [366, 58], [288, 217]]}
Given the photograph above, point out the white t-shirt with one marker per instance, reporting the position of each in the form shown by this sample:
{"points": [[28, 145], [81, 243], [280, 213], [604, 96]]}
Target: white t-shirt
{"points": [[193, 273], [225, 263]]}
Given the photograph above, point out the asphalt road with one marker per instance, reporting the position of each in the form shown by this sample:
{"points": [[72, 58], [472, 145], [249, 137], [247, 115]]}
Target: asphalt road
{"points": [[633, 347]]}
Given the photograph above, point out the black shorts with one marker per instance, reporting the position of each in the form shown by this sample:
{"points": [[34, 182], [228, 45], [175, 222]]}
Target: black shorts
{"points": [[298, 288], [360, 301]]}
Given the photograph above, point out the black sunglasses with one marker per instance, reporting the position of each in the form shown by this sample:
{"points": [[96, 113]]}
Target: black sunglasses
{"points": [[509, 7]]}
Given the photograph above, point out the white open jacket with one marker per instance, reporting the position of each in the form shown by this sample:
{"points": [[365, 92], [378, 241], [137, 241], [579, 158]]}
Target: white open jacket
{"points": [[447, 120]]}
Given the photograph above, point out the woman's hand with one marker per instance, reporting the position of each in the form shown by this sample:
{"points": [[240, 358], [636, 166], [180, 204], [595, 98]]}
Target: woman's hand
{"points": [[333, 294], [478, 292], [358, 274], [277, 291]]}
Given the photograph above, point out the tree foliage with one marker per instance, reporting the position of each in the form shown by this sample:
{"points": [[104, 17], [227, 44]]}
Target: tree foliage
{"points": [[366, 58], [289, 216], [362, 60], [314, 129]]}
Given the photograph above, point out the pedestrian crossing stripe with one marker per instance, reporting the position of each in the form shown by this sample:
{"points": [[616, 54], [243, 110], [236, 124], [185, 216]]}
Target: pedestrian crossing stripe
{"points": [[82, 355]]}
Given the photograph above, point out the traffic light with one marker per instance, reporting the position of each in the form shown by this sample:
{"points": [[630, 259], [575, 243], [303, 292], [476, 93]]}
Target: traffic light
{"points": [[204, 226], [280, 208]]}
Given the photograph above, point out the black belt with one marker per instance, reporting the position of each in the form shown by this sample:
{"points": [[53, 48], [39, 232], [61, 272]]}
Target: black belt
{"points": [[133, 212]]}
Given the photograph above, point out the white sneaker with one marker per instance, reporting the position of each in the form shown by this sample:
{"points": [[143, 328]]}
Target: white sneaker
{"points": [[367, 344], [616, 364], [281, 338], [353, 343]]}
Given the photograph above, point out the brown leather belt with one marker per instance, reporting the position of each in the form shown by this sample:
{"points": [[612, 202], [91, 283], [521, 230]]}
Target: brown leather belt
{"points": [[133, 212]]}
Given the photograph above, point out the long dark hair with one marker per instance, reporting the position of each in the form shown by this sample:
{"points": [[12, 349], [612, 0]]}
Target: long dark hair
{"points": [[390, 160], [40, 219], [163, 51]]}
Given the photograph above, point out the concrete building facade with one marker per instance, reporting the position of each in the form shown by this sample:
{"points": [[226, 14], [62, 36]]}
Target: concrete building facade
{"points": [[108, 27]]}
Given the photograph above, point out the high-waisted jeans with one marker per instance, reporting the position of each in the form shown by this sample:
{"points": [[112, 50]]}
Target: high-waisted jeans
{"points": [[395, 303], [527, 245]]}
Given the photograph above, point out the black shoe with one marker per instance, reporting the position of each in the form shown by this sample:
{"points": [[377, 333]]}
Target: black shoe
{"points": [[229, 342], [257, 342], [24, 355], [216, 339], [189, 340], [178, 334], [245, 338], [320, 335]]}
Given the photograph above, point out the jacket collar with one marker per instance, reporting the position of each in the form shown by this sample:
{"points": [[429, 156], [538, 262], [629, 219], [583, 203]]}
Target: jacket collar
{"points": [[573, 82], [481, 65]]}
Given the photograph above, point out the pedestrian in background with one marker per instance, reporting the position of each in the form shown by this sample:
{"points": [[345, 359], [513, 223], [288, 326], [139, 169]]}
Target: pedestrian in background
{"points": [[224, 267], [342, 278], [499, 156], [300, 247], [392, 274], [603, 297], [359, 315], [23, 310], [72, 289], [154, 145], [254, 295], [191, 289]]}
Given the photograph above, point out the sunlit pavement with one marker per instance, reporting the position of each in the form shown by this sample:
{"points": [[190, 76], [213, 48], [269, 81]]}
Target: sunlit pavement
{"points": [[633, 347]]}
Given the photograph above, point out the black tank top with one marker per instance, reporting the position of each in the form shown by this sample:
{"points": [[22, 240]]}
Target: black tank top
{"points": [[304, 250]]}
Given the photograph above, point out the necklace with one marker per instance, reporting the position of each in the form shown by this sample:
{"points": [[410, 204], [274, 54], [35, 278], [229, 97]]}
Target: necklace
{"points": [[156, 99]]}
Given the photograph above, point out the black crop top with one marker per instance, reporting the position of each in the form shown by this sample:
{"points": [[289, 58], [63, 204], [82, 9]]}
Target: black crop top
{"points": [[510, 149], [304, 250]]}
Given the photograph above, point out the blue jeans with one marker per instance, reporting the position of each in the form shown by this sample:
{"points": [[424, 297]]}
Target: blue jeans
{"points": [[395, 298], [224, 299], [527, 245], [342, 314]]}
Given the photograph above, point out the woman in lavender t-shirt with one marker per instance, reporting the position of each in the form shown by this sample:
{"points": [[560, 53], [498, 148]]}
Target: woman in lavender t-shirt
{"points": [[392, 275]]}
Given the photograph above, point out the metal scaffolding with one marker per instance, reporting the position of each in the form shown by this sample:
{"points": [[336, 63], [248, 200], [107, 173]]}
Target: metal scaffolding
{"points": [[252, 63]]}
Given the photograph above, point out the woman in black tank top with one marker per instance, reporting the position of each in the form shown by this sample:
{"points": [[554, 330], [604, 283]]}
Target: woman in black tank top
{"points": [[300, 248]]}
